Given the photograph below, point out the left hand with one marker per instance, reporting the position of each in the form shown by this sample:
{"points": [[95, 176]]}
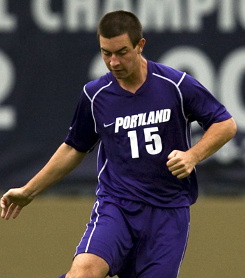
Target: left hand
{"points": [[180, 163]]}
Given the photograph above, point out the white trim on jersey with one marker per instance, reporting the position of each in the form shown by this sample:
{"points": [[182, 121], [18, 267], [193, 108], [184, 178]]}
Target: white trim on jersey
{"points": [[85, 92], [181, 100], [102, 168], [181, 79], [92, 101]]}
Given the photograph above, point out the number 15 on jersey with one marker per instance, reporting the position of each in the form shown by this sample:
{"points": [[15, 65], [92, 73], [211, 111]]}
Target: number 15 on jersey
{"points": [[153, 141]]}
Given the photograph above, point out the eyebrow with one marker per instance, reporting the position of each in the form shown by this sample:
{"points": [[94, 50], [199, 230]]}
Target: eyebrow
{"points": [[121, 49]]}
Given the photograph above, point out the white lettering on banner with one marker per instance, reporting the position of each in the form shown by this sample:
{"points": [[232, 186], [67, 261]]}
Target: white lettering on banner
{"points": [[7, 73], [112, 5], [226, 16], [80, 14], [189, 15], [241, 12], [155, 15], [197, 9], [8, 22], [77, 15], [160, 15], [44, 17]]}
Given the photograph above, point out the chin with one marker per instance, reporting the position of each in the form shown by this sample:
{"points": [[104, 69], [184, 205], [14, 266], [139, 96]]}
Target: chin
{"points": [[119, 76]]}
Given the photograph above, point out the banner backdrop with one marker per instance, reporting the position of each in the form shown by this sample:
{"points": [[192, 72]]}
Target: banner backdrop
{"points": [[49, 50]]}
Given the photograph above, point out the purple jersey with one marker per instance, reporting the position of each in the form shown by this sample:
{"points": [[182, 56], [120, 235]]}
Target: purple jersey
{"points": [[138, 131]]}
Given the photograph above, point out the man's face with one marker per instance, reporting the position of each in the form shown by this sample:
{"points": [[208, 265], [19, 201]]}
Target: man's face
{"points": [[120, 57]]}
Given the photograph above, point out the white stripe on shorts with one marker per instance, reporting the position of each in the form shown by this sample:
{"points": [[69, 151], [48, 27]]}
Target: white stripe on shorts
{"points": [[183, 254], [95, 224]]}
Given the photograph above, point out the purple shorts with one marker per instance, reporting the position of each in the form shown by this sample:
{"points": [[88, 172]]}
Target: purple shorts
{"points": [[135, 239]]}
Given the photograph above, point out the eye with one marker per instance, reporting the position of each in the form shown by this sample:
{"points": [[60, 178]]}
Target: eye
{"points": [[106, 53], [121, 53]]}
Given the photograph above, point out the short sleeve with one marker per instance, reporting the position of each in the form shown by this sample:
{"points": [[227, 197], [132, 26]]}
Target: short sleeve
{"points": [[82, 135], [200, 105]]}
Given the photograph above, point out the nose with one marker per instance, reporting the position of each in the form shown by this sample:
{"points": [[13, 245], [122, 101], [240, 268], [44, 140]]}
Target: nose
{"points": [[114, 62]]}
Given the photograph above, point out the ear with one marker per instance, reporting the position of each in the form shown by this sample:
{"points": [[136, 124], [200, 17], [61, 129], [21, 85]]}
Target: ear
{"points": [[141, 45]]}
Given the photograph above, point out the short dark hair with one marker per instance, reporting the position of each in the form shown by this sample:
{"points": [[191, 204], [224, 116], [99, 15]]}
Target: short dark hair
{"points": [[117, 23]]}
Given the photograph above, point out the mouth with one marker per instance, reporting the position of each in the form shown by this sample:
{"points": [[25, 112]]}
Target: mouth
{"points": [[117, 71]]}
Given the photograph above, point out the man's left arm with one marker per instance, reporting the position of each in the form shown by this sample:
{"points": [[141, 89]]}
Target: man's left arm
{"points": [[181, 164]]}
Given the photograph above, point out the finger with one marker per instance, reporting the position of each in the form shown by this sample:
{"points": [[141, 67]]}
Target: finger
{"points": [[17, 211], [182, 176], [3, 212], [172, 158], [3, 202], [174, 166], [9, 211], [3, 207], [172, 162], [179, 174], [172, 154], [176, 171]]}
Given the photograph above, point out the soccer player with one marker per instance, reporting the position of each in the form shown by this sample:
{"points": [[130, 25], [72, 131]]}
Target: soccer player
{"points": [[140, 114]]}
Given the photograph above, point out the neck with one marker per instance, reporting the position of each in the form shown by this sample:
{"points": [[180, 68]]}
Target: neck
{"points": [[136, 80]]}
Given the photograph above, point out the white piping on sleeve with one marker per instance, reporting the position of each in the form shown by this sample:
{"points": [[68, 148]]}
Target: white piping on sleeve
{"points": [[181, 79], [84, 89], [92, 103]]}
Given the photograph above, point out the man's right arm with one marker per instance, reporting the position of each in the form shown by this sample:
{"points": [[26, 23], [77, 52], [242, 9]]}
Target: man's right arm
{"points": [[64, 160]]}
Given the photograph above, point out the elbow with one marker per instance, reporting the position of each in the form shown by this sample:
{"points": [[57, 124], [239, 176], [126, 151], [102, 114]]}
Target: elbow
{"points": [[232, 128]]}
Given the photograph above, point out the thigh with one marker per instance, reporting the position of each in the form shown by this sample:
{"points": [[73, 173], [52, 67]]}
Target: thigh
{"points": [[162, 244], [107, 235]]}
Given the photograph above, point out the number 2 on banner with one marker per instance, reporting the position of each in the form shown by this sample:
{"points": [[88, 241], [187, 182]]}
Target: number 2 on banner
{"points": [[153, 139]]}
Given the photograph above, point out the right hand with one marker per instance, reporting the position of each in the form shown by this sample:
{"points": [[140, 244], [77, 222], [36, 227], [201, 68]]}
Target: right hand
{"points": [[13, 201], [180, 163]]}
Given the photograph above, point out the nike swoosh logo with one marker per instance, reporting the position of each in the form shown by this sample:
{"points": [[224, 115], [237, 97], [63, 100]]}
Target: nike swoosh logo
{"points": [[107, 125]]}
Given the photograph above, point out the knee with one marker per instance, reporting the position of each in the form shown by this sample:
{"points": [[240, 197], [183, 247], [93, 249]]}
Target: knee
{"points": [[85, 272], [88, 266]]}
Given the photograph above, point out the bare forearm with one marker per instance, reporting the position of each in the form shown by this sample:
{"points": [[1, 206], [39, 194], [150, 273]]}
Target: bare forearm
{"points": [[214, 138], [64, 160]]}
